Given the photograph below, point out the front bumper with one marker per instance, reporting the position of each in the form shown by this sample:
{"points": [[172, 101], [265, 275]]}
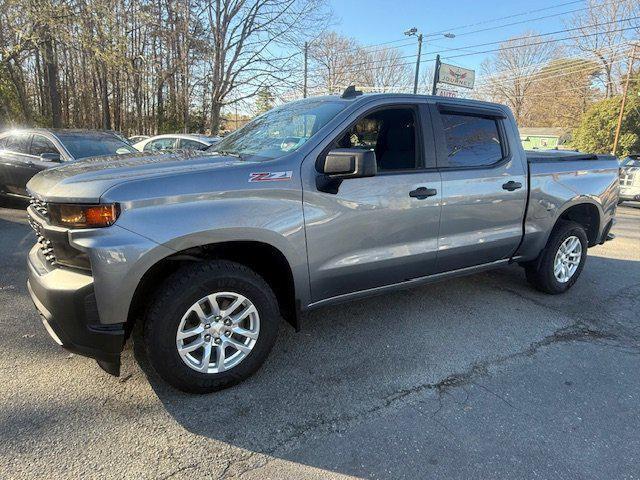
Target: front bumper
{"points": [[629, 196], [66, 302]]}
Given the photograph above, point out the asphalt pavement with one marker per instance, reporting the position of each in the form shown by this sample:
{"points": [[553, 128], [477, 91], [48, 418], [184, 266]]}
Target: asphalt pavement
{"points": [[477, 377]]}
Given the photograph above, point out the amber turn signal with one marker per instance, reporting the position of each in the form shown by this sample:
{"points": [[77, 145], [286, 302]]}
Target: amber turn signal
{"points": [[83, 216]]}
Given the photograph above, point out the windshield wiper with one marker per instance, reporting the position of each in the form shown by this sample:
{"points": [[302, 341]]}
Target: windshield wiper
{"points": [[229, 153]]}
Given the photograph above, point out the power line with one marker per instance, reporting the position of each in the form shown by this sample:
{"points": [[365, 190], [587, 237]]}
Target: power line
{"points": [[507, 17], [390, 42], [544, 73], [488, 86], [542, 43], [537, 35], [528, 20], [372, 64], [497, 42]]}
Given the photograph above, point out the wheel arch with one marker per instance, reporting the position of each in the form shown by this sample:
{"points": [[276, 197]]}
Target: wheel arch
{"points": [[586, 214], [263, 258]]}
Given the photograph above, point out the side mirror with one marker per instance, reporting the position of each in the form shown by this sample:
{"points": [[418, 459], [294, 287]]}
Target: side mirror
{"points": [[349, 163], [344, 163], [50, 157]]}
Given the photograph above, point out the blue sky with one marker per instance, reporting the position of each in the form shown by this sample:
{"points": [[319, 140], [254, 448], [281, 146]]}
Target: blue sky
{"points": [[376, 21]]}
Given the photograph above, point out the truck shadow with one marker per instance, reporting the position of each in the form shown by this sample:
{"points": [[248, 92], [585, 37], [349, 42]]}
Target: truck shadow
{"points": [[358, 360]]}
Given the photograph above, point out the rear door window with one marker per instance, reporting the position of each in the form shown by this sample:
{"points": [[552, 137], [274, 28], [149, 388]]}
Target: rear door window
{"points": [[19, 143], [191, 144], [160, 144], [471, 141]]}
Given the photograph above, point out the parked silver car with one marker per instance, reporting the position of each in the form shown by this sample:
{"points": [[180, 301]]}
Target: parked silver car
{"points": [[630, 178], [178, 141], [316, 202]]}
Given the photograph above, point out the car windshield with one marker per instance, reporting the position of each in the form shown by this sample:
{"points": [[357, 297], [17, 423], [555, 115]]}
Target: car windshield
{"points": [[82, 145], [279, 131], [631, 162]]}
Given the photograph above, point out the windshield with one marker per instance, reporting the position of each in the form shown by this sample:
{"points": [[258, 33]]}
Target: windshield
{"points": [[279, 131], [81, 145], [631, 162]]}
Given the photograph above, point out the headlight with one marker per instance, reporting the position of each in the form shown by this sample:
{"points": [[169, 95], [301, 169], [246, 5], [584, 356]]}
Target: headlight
{"points": [[83, 216]]}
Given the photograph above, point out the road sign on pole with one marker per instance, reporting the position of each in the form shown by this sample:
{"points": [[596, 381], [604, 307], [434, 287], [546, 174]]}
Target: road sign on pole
{"points": [[453, 75]]}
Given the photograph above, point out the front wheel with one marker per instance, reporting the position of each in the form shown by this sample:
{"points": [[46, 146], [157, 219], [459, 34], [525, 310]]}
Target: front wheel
{"points": [[210, 326], [561, 261]]}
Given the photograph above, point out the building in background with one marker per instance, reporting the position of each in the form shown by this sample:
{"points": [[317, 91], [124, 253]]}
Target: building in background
{"points": [[544, 138]]}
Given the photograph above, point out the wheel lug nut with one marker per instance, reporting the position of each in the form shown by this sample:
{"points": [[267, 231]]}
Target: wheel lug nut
{"points": [[227, 322], [218, 318], [207, 326], [218, 341], [207, 337], [228, 333]]}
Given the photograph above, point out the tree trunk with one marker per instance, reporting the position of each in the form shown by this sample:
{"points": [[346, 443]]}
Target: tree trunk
{"points": [[104, 95], [51, 67], [216, 108]]}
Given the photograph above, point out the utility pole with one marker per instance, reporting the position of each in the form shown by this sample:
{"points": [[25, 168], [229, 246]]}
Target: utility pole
{"points": [[436, 74], [415, 81], [624, 99], [306, 54]]}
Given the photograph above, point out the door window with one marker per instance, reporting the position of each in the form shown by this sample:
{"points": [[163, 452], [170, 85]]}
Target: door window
{"points": [[159, 144], [390, 133], [471, 141], [192, 144], [41, 144], [19, 143]]}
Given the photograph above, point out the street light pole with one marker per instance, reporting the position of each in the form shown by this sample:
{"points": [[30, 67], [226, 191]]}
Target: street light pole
{"points": [[415, 81], [410, 33]]}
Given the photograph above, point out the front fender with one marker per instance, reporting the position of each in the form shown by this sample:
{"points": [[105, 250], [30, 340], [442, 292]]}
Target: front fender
{"points": [[275, 220]]}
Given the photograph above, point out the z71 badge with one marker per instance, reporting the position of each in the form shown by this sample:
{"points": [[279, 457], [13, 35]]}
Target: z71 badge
{"points": [[270, 176]]}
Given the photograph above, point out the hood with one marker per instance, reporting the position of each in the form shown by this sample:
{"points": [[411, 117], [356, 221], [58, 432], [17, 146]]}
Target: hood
{"points": [[87, 179]]}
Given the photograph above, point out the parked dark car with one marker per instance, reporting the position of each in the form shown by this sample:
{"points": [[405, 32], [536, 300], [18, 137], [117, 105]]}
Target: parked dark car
{"points": [[23, 153]]}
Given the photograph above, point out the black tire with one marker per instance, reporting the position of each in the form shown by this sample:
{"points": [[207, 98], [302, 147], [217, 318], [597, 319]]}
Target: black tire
{"points": [[181, 290], [540, 272]]}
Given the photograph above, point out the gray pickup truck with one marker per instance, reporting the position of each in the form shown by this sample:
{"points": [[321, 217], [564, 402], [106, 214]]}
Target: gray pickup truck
{"points": [[316, 202]]}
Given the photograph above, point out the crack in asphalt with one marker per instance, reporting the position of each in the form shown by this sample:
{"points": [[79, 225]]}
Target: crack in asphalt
{"points": [[576, 332]]}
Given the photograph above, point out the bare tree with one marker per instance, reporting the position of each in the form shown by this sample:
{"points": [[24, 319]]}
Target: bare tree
{"points": [[250, 45], [604, 28], [385, 70], [509, 75], [561, 93], [333, 57]]}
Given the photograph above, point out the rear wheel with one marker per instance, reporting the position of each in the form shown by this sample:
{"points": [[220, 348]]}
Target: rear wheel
{"points": [[561, 261], [211, 325]]}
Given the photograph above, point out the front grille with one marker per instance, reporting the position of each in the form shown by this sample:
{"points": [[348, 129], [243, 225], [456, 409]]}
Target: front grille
{"points": [[46, 248], [39, 207]]}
